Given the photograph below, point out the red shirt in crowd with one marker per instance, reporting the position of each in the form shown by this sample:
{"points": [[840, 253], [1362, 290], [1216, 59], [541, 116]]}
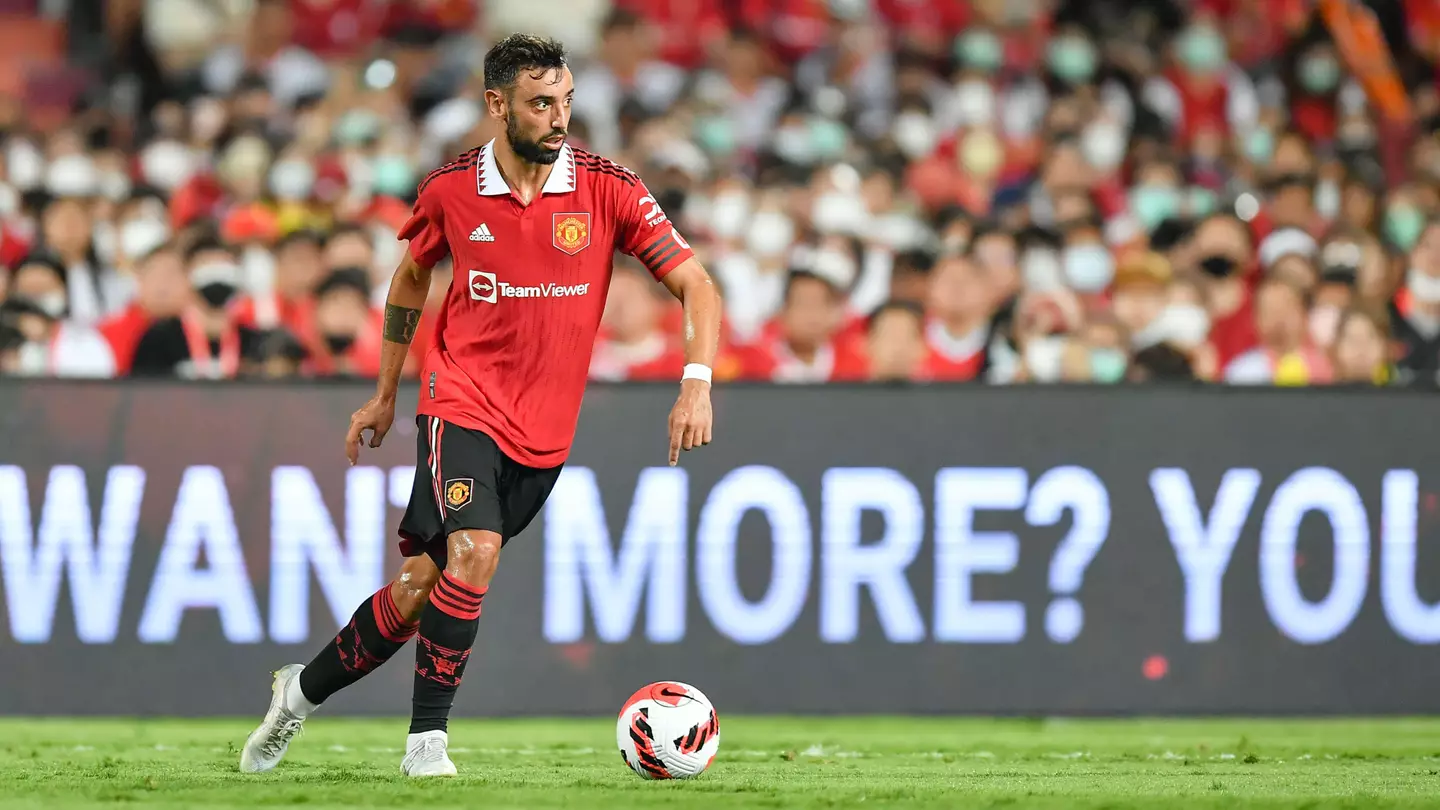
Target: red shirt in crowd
{"points": [[657, 357], [514, 338], [686, 27], [771, 359], [949, 358], [273, 310], [123, 331]]}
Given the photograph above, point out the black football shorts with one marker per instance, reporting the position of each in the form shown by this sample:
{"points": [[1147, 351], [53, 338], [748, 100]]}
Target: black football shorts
{"points": [[464, 481]]}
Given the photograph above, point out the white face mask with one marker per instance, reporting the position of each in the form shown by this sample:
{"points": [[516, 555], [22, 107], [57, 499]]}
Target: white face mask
{"points": [[898, 232], [140, 236], [167, 165], [1043, 357], [1088, 268], [292, 180], [1186, 325], [34, 359], [115, 186], [1103, 145], [1327, 199], [25, 164], [838, 212], [1041, 270], [257, 265], [835, 267], [793, 145], [72, 176], [771, 233], [1425, 288], [1324, 321], [729, 212], [52, 303], [914, 134], [9, 200], [974, 103], [103, 239]]}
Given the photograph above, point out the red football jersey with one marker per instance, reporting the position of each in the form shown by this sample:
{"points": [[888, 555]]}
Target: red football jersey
{"points": [[513, 340]]}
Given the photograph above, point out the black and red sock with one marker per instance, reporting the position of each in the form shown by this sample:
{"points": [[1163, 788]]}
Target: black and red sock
{"points": [[376, 632], [447, 632]]}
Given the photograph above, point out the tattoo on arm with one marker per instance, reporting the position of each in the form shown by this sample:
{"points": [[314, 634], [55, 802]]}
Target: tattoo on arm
{"points": [[400, 323]]}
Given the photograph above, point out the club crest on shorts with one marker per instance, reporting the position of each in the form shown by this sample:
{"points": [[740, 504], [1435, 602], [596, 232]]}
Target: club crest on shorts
{"points": [[572, 232], [458, 491]]}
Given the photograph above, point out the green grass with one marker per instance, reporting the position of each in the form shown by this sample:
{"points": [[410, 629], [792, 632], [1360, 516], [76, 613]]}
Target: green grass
{"points": [[763, 762]]}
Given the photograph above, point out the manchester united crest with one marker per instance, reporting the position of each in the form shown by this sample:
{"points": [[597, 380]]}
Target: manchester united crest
{"points": [[572, 232], [457, 492]]}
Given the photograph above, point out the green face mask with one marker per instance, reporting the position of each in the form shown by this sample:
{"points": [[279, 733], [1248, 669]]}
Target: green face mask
{"points": [[1320, 74], [980, 50], [1260, 146], [1154, 204], [1403, 225], [392, 176], [827, 138], [1202, 201], [1072, 59], [1107, 365], [356, 127], [1202, 50], [716, 135]]}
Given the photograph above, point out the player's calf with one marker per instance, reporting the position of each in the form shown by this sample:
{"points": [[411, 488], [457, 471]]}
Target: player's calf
{"points": [[449, 625]]}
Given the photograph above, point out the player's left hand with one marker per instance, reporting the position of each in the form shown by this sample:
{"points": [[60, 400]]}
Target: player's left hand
{"points": [[691, 420]]}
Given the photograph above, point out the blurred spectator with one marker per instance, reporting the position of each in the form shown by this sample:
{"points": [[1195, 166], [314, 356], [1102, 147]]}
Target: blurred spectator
{"points": [[804, 348], [204, 341], [1286, 355], [161, 292], [1415, 317], [39, 341], [1361, 351], [960, 305], [347, 327], [896, 344], [632, 345], [290, 304], [1160, 363]]}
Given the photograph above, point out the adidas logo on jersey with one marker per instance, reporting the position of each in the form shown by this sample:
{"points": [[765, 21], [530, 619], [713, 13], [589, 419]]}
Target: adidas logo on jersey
{"points": [[482, 234]]}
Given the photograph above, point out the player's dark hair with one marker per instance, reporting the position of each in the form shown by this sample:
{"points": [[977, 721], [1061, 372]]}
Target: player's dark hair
{"points": [[908, 307], [520, 52]]}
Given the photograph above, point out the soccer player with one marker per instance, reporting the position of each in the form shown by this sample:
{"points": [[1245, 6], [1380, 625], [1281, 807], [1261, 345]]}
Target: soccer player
{"points": [[530, 225]]}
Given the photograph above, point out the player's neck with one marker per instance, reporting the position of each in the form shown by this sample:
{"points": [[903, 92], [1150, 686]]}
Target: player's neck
{"points": [[526, 179]]}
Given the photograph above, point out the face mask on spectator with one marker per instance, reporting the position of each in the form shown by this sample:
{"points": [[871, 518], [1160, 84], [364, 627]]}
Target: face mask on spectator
{"points": [[981, 154], [1043, 357], [140, 236], [827, 138], [729, 212], [24, 164], [793, 145], [1424, 287], [834, 266], [1107, 365], [1324, 320], [980, 50], [217, 283], [339, 344], [770, 233], [167, 165], [1041, 270], [1071, 59], [9, 200], [1260, 146], [914, 134], [52, 303], [838, 212], [898, 232], [356, 127], [114, 186], [1088, 268], [257, 265], [1327, 199], [974, 103], [716, 134], [103, 239], [1153, 204], [1187, 325], [292, 180], [1319, 74], [1403, 224], [72, 176], [1202, 50], [1103, 145], [1201, 201], [392, 176]]}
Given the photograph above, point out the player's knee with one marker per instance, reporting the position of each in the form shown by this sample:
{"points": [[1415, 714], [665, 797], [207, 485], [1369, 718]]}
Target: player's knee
{"points": [[411, 588], [473, 555]]}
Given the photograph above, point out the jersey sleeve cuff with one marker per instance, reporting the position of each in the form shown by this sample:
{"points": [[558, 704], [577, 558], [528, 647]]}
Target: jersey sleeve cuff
{"points": [[663, 255]]}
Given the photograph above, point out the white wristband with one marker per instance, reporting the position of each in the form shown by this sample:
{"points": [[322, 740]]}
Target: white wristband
{"points": [[696, 371]]}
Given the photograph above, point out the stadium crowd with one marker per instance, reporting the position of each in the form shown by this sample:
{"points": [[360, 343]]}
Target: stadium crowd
{"points": [[925, 190]]}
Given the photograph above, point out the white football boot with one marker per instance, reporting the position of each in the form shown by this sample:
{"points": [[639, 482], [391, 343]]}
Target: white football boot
{"points": [[427, 754], [266, 745]]}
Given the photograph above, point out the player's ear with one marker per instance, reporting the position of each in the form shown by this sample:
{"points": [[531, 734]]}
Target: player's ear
{"points": [[495, 101]]}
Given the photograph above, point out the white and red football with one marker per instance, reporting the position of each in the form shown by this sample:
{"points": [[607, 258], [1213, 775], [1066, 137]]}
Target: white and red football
{"points": [[668, 730]]}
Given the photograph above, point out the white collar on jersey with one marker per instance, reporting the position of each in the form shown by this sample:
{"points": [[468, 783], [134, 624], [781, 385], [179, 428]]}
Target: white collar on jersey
{"points": [[491, 183]]}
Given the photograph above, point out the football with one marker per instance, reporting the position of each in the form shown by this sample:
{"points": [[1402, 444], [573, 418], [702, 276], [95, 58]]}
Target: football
{"points": [[668, 730]]}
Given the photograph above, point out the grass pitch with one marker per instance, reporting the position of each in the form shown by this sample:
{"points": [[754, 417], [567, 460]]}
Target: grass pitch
{"points": [[763, 763]]}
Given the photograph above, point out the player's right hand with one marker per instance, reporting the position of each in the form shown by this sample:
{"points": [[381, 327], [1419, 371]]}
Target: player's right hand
{"points": [[375, 416]]}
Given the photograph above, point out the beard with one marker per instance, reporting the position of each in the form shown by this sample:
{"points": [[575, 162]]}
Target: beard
{"points": [[528, 150]]}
